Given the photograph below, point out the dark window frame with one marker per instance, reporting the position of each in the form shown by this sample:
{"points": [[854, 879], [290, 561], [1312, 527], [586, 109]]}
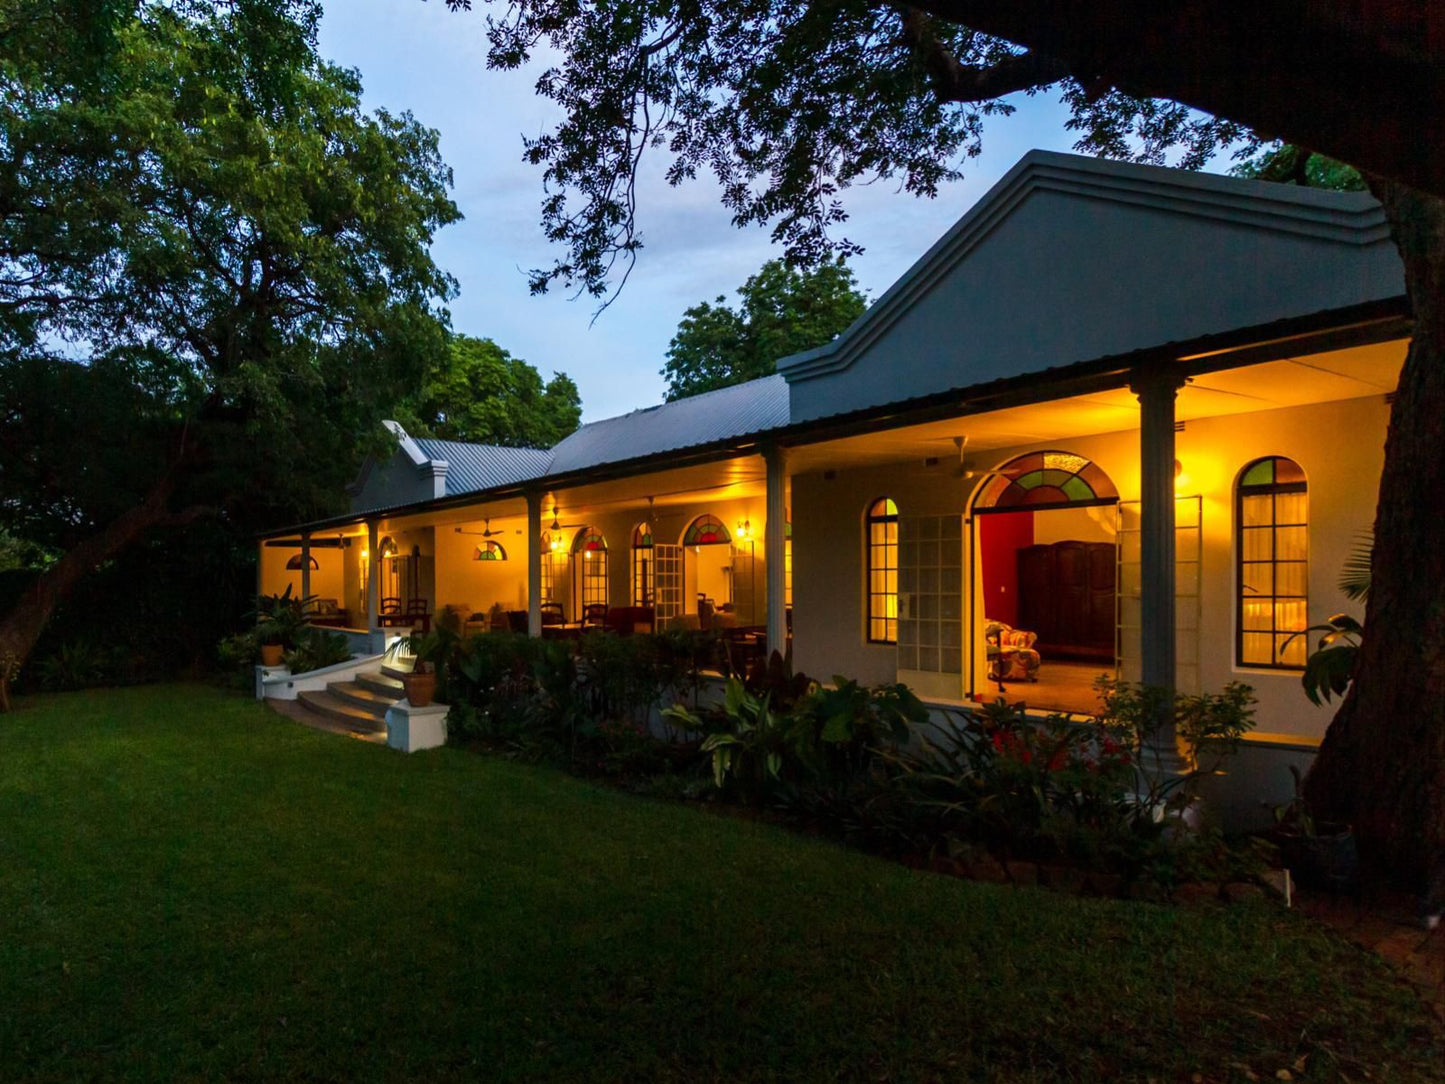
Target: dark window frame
{"points": [[1271, 490], [870, 519]]}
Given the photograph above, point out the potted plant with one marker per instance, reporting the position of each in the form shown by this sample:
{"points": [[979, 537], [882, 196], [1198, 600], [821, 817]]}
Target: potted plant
{"points": [[429, 651], [279, 620], [1319, 854]]}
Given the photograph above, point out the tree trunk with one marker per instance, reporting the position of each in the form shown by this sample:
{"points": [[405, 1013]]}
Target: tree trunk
{"points": [[1381, 767], [22, 626]]}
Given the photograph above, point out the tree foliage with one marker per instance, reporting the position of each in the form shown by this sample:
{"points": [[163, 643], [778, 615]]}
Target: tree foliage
{"points": [[781, 311], [479, 392], [215, 276], [787, 105]]}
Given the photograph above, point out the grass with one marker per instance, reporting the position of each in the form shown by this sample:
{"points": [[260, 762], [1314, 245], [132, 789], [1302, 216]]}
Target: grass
{"points": [[194, 887]]}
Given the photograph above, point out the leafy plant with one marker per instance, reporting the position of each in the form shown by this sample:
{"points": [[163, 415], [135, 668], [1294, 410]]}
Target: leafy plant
{"points": [[317, 649], [76, 665], [280, 619], [1331, 666], [1356, 572], [752, 746]]}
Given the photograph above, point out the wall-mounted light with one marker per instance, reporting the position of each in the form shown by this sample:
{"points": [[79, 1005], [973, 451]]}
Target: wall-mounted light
{"points": [[745, 529], [1180, 478]]}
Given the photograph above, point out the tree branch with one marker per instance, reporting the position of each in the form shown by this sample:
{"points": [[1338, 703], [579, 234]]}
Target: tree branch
{"points": [[956, 82], [1366, 89]]}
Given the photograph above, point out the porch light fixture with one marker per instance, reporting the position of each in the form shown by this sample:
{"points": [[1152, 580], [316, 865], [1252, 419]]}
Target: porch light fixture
{"points": [[1180, 478], [387, 548], [745, 529]]}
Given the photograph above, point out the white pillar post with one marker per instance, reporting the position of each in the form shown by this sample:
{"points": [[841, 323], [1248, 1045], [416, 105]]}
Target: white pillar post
{"points": [[1157, 391], [535, 557], [305, 565], [373, 575], [775, 534]]}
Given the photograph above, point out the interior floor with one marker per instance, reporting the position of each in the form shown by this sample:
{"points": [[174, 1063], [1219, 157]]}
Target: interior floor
{"points": [[1061, 686]]}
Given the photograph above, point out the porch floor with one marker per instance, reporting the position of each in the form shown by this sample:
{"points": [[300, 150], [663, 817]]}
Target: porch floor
{"points": [[1061, 686]]}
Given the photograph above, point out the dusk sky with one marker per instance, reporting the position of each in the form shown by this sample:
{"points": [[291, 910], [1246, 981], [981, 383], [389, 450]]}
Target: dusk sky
{"points": [[419, 56]]}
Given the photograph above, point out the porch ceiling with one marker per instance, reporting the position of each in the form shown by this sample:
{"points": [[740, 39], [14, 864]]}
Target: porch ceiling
{"points": [[1297, 381]]}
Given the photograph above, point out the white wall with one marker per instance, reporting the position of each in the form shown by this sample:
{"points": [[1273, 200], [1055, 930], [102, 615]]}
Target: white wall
{"points": [[1340, 445]]}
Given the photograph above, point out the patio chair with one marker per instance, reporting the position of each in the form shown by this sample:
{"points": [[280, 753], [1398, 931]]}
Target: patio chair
{"points": [[594, 613], [553, 614]]}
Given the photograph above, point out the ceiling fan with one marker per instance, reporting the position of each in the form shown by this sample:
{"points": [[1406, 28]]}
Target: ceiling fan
{"points": [[487, 533]]}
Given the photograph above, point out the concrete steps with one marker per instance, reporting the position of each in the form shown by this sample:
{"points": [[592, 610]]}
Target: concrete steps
{"points": [[345, 712], [360, 704]]}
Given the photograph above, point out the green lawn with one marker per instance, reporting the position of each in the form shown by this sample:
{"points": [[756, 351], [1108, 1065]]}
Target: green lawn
{"points": [[192, 886]]}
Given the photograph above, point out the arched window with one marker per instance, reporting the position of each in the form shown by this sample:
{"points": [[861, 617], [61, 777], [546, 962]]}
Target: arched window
{"points": [[642, 567], [1272, 528], [1045, 478], [489, 551], [706, 531], [882, 548], [589, 552], [294, 562]]}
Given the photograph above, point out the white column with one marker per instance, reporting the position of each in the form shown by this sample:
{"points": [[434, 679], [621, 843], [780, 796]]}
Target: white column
{"points": [[373, 575], [1156, 392], [775, 534], [534, 564], [305, 565]]}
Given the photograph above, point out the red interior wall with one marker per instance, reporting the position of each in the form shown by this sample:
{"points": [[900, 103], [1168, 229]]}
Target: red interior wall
{"points": [[1001, 536]]}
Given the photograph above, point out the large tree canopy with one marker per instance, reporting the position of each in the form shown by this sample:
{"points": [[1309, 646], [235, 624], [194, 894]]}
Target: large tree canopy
{"points": [[781, 311], [215, 276], [479, 392], [787, 104]]}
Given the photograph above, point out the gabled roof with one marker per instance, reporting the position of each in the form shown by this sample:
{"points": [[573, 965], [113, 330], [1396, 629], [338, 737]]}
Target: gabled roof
{"points": [[1069, 259]]}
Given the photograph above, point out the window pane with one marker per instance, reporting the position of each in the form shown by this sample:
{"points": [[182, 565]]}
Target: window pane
{"points": [[1289, 615], [1292, 578], [1291, 543], [1258, 511], [1257, 579], [1257, 615], [1258, 544], [1290, 508], [1292, 652], [1256, 649]]}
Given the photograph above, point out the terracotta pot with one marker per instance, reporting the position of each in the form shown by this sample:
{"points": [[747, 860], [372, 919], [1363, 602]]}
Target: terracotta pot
{"points": [[271, 654], [420, 688]]}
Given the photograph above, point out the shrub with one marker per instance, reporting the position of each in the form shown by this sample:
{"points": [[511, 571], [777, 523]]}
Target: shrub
{"points": [[316, 649]]}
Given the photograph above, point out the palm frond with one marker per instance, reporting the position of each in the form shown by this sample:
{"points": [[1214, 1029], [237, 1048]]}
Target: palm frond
{"points": [[1354, 578]]}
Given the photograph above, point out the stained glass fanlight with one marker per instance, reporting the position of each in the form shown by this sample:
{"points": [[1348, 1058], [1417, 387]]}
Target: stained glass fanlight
{"points": [[642, 536], [706, 531], [489, 551], [1043, 479], [294, 562], [589, 540], [1274, 470]]}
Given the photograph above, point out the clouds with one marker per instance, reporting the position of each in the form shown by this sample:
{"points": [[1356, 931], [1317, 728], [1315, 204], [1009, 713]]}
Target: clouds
{"points": [[420, 57]]}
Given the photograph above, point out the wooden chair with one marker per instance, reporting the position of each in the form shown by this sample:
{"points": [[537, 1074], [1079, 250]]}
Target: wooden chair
{"points": [[594, 613], [553, 614]]}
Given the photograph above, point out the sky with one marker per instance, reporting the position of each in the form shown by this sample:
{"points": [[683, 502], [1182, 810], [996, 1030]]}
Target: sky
{"points": [[420, 57]]}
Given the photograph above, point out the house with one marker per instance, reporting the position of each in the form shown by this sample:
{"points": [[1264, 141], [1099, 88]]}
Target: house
{"points": [[1136, 412]]}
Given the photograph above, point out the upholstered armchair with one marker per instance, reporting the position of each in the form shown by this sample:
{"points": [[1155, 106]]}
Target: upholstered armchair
{"points": [[1011, 653]]}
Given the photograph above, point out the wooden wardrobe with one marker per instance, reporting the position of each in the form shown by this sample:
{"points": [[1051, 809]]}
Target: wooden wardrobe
{"points": [[1066, 595]]}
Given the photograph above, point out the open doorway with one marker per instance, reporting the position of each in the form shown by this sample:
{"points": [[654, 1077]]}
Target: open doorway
{"points": [[1047, 579], [707, 569]]}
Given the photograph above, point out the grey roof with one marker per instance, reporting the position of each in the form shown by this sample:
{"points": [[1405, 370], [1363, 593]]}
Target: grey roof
{"points": [[474, 467], [714, 416]]}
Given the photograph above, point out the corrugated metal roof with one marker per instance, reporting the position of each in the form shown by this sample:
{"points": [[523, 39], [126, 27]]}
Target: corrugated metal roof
{"points": [[727, 413], [473, 467]]}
